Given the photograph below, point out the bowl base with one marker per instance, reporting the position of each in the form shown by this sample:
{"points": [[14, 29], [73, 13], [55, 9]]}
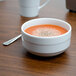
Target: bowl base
{"points": [[46, 54]]}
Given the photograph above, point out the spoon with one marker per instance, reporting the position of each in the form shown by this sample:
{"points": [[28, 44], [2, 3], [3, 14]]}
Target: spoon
{"points": [[12, 40]]}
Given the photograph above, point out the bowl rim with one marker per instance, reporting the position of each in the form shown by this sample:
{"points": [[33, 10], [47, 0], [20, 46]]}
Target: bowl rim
{"points": [[33, 36]]}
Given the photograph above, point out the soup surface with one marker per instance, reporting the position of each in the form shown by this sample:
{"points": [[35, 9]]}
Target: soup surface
{"points": [[45, 30]]}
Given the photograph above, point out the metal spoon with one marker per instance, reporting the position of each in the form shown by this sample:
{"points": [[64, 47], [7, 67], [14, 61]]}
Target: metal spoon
{"points": [[12, 40]]}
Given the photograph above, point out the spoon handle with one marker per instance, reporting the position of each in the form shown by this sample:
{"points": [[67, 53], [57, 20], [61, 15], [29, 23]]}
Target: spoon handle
{"points": [[12, 40]]}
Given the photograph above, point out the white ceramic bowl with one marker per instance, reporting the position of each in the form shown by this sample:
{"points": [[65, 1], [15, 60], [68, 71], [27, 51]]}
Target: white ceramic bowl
{"points": [[46, 46]]}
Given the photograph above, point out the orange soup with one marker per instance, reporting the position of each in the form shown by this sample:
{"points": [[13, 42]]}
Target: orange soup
{"points": [[46, 30]]}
